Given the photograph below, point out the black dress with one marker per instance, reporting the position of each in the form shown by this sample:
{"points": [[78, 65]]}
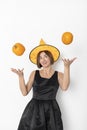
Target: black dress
{"points": [[42, 112]]}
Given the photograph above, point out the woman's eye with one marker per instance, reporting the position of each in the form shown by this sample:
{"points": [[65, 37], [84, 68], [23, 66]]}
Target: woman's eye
{"points": [[40, 58], [46, 56]]}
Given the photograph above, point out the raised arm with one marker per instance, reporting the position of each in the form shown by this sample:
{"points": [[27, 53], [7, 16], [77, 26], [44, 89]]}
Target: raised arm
{"points": [[64, 78], [25, 88]]}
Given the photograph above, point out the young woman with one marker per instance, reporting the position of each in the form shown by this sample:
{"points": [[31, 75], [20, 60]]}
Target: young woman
{"points": [[43, 111]]}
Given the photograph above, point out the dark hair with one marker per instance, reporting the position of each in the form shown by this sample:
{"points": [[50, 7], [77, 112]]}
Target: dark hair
{"points": [[48, 53]]}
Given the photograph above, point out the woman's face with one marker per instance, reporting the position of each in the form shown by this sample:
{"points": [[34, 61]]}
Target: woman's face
{"points": [[44, 59]]}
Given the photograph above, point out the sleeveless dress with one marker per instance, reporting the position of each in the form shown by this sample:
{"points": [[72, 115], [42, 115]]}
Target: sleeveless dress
{"points": [[42, 112]]}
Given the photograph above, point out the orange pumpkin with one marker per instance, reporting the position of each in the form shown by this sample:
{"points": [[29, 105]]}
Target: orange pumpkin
{"points": [[67, 38], [18, 49]]}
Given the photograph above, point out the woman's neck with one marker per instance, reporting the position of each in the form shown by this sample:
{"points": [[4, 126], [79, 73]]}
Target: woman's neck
{"points": [[47, 70]]}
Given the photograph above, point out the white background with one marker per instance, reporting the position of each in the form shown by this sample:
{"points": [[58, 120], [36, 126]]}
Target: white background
{"points": [[27, 21]]}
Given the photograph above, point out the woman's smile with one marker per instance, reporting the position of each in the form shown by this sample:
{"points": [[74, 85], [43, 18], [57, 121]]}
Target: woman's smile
{"points": [[44, 59]]}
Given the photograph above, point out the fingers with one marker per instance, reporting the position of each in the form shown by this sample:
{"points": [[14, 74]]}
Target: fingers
{"points": [[71, 61], [14, 70], [74, 58], [19, 72], [67, 62]]}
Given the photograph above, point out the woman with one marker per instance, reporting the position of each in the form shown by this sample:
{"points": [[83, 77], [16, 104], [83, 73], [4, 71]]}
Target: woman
{"points": [[43, 112]]}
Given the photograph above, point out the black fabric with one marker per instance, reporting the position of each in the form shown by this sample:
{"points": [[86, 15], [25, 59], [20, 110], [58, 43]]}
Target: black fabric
{"points": [[42, 112]]}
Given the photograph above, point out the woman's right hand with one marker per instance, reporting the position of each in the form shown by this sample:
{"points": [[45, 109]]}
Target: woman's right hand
{"points": [[18, 72]]}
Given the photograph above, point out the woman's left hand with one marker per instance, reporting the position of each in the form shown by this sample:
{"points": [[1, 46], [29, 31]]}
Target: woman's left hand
{"points": [[68, 62]]}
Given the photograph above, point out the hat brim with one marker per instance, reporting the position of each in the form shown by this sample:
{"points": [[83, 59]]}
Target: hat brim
{"points": [[54, 51]]}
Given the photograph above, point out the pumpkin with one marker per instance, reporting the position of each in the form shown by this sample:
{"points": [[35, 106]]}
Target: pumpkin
{"points": [[67, 38], [18, 49]]}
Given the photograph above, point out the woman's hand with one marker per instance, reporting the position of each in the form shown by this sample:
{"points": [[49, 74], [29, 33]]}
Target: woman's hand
{"points": [[64, 78], [68, 62], [18, 72]]}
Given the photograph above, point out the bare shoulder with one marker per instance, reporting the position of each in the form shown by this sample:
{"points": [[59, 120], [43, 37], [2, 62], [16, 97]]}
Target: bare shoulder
{"points": [[60, 75], [32, 74], [31, 80], [60, 78]]}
